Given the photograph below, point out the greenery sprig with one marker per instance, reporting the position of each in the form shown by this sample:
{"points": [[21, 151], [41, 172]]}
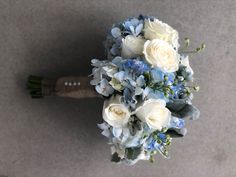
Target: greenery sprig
{"points": [[187, 44]]}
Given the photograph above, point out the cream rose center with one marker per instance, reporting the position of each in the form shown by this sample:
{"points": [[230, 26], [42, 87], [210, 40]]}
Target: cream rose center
{"points": [[116, 112]]}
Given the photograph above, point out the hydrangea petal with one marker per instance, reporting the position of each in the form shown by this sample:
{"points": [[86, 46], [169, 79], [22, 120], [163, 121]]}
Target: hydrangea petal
{"points": [[116, 32], [120, 76], [176, 123], [106, 133], [116, 132], [139, 29]]}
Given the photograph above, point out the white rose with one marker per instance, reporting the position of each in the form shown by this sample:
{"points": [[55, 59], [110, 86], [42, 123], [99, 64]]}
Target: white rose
{"points": [[158, 30], [154, 113], [132, 46], [161, 54], [115, 113]]}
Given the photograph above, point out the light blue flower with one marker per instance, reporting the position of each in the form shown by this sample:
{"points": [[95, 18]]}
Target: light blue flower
{"points": [[130, 96], [105, 127], [116, 132], [136, 66], [104, 88], [115, 49], [149, 93], [176, 123], [98, 70], [161, 149], [150, 144], [133, 26], [178, 90], [140, 81], [170, 78], [117, 61], [116, 32], [157, 75], [120, 76]]}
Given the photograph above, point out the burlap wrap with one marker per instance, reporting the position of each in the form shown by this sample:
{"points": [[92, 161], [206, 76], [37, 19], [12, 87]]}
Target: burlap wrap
{"points": [[72, 86]]}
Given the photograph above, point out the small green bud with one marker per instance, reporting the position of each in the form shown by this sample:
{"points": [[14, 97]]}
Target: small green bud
{"points": [[196, 88], [166, 94], [155, 136], [159, 141], [187, 41], [187, 90], [164, 129], [167, 89], [145, 135], [203, 46], [181, 78], [165, 77], [198, 49], [168, 137], [165, 152], [168, 143], [153, 152], [175, 81], [161, 83], [152, 160]]}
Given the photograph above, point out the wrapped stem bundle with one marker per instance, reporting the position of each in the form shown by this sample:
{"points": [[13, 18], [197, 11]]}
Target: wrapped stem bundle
{"points": [[73, 87]]}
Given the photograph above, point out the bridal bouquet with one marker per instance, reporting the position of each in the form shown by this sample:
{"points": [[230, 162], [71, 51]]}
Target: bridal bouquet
{"points": [[146, 82]]}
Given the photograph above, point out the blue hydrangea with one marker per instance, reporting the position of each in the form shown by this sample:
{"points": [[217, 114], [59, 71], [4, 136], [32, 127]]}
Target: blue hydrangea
{"points": [[133, 26], [157, 144], [157, 75], [136, 66], [170, 78], [104, 88], [178, 90], [176, 123]]}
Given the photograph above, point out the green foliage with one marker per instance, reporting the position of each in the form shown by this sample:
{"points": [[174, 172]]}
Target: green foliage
{"points": [[132, 153], [187, 44], [115, 157]]}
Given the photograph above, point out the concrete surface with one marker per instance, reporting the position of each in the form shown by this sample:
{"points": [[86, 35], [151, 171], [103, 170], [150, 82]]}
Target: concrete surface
{"points": [[57, 137]]}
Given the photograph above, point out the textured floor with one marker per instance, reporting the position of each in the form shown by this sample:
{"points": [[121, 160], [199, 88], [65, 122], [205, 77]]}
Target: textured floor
{"points": [[57, 137]]}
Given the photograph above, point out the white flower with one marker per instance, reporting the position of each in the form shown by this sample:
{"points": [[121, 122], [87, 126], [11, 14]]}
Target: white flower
{"points": [[158, 30], [115, 113], [154, 113], [161, 54], [132, 46]]}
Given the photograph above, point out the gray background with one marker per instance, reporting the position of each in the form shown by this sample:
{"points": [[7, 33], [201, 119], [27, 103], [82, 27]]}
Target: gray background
{"points": [[57, 137]]}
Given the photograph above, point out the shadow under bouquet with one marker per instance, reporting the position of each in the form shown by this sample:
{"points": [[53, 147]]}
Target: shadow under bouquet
{"points": [[146, 82]]}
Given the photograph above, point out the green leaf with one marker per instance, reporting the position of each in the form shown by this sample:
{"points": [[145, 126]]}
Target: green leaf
{"points": [[177, 133], [132, 153], [115, 157]]}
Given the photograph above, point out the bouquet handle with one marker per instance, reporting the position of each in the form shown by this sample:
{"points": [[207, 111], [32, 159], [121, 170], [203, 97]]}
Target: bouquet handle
{"points": [[71, 86]]}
